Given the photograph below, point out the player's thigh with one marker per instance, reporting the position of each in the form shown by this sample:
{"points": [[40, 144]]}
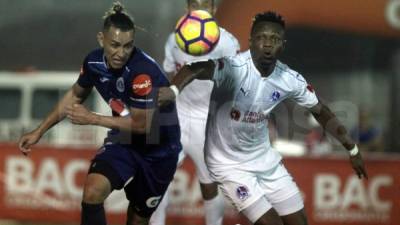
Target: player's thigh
{"points": [[296, 218], [261, 212], [96, 188], [281, 190], [115, 162], [241, 188], [150, 183]]}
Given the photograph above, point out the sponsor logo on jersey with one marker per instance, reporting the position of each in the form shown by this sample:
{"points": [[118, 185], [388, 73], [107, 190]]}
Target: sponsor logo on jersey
{"points": [[248, 117], [242, 192], [275, 96], [142, 85], [120, 84], [254, 117], [152, 202]]}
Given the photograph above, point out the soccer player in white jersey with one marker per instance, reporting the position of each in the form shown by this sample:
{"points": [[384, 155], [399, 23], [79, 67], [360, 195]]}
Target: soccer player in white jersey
{"points": [[192, 106], [237, 150]]}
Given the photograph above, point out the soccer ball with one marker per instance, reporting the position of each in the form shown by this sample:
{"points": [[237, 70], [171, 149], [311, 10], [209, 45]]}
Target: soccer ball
{"points": [[197, 33]]}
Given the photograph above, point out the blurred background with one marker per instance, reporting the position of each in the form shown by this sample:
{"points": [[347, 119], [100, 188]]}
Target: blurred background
{"points": [[348, 50]]}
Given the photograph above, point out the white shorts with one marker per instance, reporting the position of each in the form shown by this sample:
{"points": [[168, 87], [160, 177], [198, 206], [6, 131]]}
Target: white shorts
{"points": [[245, 187], [193, 137]]}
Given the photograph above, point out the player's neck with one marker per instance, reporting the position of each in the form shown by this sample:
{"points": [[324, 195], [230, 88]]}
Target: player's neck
{"points": [[266, 70]]}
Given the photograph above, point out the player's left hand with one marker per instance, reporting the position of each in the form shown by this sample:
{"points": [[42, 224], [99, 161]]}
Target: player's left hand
{"points": [[79, 114], [358, 166], [165, 96]]}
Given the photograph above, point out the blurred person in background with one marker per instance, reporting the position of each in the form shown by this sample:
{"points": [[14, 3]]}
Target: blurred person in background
{"points": [[192, 107], [366, 133], [237, 149], [144, 141]]}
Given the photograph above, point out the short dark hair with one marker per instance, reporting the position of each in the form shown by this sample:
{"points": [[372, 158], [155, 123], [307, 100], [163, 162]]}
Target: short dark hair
{"points": [[118, 18], [268, 16]]}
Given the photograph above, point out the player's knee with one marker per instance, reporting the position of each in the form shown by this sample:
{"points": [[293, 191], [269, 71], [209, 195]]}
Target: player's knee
{"points": [[297, 218], [94, 195], [269, 218], [96, 189], [209, 191]]}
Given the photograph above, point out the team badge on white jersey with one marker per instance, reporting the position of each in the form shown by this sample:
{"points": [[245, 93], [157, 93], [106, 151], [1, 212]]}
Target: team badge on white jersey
{"points": [[242, 192]]}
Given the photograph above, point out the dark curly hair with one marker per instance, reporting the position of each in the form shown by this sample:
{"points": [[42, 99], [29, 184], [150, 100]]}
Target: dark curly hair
{"points": [[269, 16]]}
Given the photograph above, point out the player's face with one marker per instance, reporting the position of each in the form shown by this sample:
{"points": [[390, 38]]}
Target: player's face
{"points": [[118, 46], [266, 43], [207, 5]]}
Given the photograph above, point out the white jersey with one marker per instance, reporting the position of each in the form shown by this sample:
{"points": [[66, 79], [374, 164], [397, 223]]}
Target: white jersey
{"points": [[194, 99], [237, 133]]}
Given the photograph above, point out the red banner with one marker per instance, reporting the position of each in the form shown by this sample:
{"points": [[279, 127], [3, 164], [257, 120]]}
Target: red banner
{"points": [[335, 196], [47, 187]]}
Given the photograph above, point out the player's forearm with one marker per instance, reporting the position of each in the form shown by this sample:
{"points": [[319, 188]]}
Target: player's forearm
{"points": [[58, 112], [199, 70], [120, 123], [332, 125], [183, 78]]}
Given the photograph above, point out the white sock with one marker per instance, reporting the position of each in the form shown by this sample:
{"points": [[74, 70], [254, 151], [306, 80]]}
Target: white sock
{"points": [[214, 210], [158, 216]]}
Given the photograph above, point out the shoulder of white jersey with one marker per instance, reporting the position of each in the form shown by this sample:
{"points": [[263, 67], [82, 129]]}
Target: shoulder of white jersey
{"points": [[226, 38], [287, 73], [235, 61]]}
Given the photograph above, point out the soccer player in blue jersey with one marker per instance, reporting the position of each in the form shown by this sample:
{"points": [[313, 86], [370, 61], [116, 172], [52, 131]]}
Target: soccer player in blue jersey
{"points": [[144, 140]]}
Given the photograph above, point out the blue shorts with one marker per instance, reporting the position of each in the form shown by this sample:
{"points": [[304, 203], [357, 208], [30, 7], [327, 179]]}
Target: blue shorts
{"points": [[151, 174]]}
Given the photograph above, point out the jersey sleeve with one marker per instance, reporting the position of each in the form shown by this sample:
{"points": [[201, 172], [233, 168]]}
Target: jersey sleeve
{"points": [[231, 46], [169, 62], [85, 79], [304, 93], [222, 74], [144, 88]]}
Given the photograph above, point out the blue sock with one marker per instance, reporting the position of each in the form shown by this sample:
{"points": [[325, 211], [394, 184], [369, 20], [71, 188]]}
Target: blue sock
{"points": [[93, 214]]}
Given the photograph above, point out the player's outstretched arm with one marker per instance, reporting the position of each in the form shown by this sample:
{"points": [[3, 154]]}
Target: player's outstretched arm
{"points": [[332, 125], [76, 94], [199, 70], [138, 121]]}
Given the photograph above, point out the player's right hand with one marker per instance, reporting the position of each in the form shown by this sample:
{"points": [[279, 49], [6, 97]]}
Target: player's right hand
{"points": [[27, 140], [358, 166], [165, 96]]}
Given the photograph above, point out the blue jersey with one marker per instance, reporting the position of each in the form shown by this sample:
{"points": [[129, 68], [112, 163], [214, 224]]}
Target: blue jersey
{"points": [[135, 85]]}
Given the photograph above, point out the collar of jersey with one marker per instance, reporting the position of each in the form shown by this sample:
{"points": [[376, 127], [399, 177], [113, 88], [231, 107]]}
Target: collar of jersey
{"points": [[254, 68]]}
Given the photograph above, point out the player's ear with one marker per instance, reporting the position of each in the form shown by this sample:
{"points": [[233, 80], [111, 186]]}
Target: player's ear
{"points": [[100, 38], [284, 44]]}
